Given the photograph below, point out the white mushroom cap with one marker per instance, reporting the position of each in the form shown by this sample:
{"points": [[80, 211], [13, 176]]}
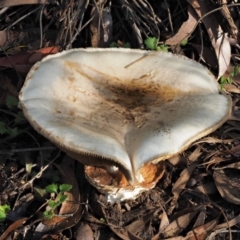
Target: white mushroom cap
{"points": [[129, 107]]}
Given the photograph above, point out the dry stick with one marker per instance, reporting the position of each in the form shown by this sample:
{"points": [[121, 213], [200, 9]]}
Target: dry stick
{"points": [[212, 11], [169, 17], [201, 37], [21, 18], [146, 16], [121, 21], [80, 27], [21, 188], [41, 28]]}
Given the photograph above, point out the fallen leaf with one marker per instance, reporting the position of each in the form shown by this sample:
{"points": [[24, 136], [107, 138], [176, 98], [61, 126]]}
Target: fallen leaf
{"points": [[231, 88], [218, 38], [186, 28], [230, 223], [180, 185], [178, 225], [228, 187], [137, 226], [24, 61], [201, 232], [84, 232], [13, 227]]}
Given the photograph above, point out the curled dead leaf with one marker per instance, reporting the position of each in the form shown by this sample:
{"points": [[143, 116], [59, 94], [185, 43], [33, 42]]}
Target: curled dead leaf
{"points": [[185, 29], [218, 38], [228, 187]]}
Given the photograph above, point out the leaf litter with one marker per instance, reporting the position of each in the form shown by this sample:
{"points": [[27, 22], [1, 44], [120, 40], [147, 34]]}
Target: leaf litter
{"points": [[198, 196]]}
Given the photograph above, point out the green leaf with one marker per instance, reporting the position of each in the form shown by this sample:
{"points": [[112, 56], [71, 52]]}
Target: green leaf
{"points": [[3, 129], [52, 204], [20, 118], [2, 216], [62, 198], [65, 187], [13, 132], [52, 188], [162, 47], [229, 80], [223, 80], [48, 214], [184, 42], [5, 208], [126, 45], [151, 43], [113, 45], [11, 101], [40, 193]]}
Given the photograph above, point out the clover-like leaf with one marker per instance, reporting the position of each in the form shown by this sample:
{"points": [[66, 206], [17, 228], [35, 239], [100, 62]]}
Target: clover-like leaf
{"points": [[52, 188]]}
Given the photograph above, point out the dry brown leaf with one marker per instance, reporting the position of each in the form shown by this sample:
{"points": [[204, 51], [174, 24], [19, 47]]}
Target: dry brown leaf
{"points": [[201, 232], [219, 39], [207, 188], [230, 223], [178, 225], [164, 223], [136, 226], [24, 61], [180, 185], [13, 227], [201, 218], [84, 232], [231, 88], [228, 187], [212, 140], [193, 157], [186, 28]]}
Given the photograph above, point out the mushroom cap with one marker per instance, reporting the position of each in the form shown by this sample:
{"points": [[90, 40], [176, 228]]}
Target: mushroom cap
{"points": [[129, 107]]}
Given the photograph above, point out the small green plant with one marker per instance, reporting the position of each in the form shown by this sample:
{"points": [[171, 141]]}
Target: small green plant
{"points": [[4, 209], [184, 42], [229, 79], [152, 44], [60, 197], [9, 127], [11, 101]]}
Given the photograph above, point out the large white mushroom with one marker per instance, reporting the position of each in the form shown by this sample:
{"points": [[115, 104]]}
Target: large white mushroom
{"points": [[123, 111]]}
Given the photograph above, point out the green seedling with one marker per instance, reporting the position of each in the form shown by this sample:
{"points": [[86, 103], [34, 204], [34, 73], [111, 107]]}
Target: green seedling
{"points": [[4, 209], [152, 44], [184, 42], [11, 102], [9, 127], [5, 129], [60, 197], [229, 79]]}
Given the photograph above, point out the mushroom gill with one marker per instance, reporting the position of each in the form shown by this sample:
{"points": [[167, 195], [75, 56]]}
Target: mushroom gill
{"points": [[122, 110]]}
